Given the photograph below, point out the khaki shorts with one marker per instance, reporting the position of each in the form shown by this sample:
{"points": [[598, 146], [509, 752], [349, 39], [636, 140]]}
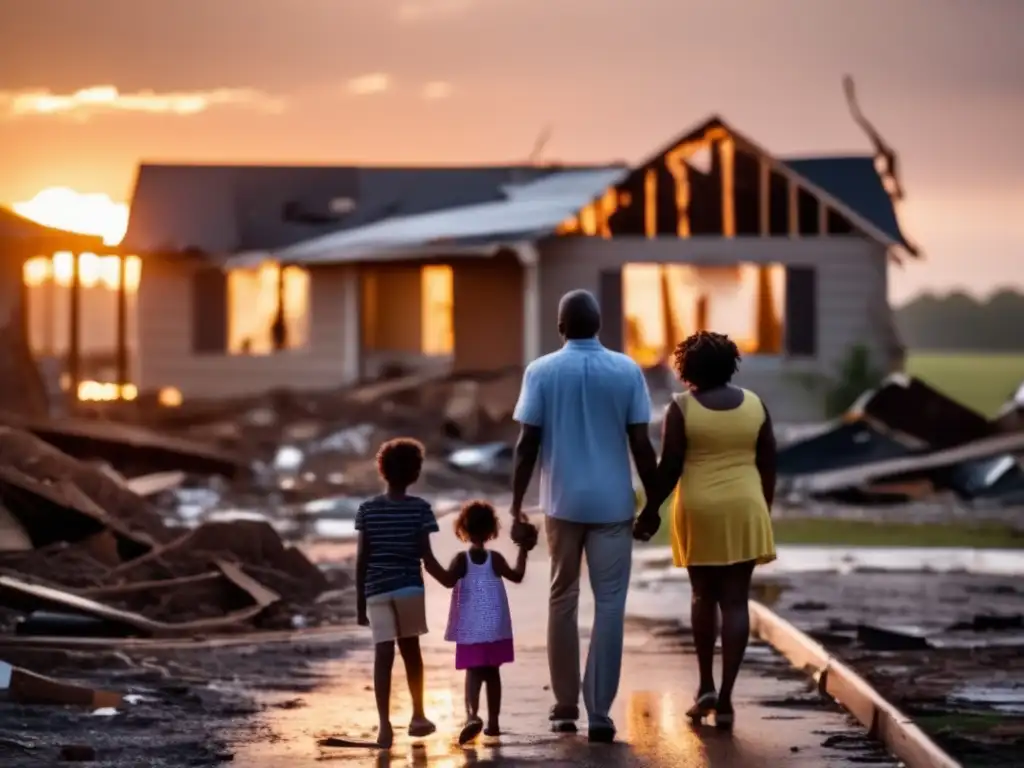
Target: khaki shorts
{"points": [[393, 617]]}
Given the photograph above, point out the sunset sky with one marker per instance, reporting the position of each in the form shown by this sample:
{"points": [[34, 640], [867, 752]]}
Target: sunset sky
{"points": [[88, 88]]}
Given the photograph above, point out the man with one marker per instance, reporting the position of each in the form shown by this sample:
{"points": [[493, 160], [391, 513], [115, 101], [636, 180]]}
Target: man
{"points": [[581, 410]]}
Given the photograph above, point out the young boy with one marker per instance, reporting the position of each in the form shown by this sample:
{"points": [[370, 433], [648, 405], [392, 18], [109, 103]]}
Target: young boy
{"points": [[394, 538]]}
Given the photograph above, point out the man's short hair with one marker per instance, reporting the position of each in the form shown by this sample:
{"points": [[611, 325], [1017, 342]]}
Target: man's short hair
{"points": [[579, 315]]}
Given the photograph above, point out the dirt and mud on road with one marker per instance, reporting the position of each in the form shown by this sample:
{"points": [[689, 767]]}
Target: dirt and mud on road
{"points": [[946, 648], [267, 705], [188, 707]]}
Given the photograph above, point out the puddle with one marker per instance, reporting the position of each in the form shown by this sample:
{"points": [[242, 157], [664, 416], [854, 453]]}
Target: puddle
{"points": [[1007, 700]]}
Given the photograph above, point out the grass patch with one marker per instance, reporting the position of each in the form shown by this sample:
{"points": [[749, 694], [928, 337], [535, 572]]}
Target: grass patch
{"points": [[981, 382], [961, 722], [857, 533]]}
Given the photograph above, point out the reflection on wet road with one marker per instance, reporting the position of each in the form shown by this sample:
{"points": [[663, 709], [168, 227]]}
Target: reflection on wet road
{"points": [[658, 684]]}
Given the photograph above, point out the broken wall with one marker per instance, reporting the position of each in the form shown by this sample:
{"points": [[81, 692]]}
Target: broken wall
{"points": [[851, 296]]}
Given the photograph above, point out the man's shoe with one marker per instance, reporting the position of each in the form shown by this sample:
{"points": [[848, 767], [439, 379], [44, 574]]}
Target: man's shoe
{"points": [[563, 719], [602, 734]]}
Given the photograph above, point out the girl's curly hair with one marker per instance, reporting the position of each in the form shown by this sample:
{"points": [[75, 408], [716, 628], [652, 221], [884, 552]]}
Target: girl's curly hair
{"points": [[477, 521]]}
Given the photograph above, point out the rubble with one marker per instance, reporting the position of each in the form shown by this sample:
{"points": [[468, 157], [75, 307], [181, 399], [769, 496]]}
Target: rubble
{"points": [[128, 446], [905, 440], [82, 553]]}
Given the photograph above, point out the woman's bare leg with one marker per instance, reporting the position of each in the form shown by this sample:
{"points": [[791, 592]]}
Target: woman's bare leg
{"points": [[704, 620], [733, 598]]}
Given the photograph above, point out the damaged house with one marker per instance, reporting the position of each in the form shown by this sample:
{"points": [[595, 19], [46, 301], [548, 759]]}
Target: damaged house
{"points": [[250, 278]]}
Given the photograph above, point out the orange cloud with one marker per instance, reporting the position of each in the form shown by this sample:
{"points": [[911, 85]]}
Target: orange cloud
{"points": [[367, 85], [87, 102], [436, 90], [411, 11]]}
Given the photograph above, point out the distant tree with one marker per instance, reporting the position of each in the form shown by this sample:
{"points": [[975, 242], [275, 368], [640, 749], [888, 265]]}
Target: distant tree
{"points": [[960, 323]]}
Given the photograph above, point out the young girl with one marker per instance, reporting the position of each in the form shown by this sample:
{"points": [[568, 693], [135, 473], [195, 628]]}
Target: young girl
{"points": [[479, 622]]}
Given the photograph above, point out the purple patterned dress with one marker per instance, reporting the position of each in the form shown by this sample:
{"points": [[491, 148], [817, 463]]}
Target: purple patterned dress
{"points": [[479, 621]]}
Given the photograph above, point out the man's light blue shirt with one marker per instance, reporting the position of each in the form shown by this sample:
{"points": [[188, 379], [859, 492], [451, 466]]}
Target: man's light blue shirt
{"points": [[582, 398]]}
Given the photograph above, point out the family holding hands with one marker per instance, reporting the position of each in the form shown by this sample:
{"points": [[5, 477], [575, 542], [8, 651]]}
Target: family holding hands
{"points": [[583, 411]]}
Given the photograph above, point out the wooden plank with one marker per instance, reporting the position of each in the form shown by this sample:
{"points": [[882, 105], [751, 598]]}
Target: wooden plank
{"points": [[21, 595], [157, 585], [29, 688], [260, 595], [154, 483]]}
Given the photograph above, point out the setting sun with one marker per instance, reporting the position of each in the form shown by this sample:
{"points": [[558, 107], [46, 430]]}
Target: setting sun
{"points": [[87, 214]]}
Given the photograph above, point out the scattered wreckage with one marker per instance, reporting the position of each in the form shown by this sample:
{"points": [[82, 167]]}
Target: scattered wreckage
{"points": [[92, 554], [905, 440], [88, 552]]}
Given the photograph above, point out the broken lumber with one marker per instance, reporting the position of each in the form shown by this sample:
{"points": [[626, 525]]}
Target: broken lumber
{"points": [[824, 482], [157, 482], [26, 687], [27, 598], [129, 445]]}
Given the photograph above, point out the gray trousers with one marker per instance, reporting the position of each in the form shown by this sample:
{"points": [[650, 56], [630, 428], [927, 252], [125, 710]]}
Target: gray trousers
{"points": [[609, 553]]}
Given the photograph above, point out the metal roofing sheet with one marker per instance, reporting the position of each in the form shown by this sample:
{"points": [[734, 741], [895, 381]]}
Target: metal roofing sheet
{"points": [[533, 210]]}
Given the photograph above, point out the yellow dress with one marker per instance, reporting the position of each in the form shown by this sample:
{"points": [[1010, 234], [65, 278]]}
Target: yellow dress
{"points": [[719, 514]]}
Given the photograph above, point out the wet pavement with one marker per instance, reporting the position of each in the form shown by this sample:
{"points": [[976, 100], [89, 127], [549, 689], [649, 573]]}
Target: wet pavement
{"points": [[944, 646], [778, 722]]}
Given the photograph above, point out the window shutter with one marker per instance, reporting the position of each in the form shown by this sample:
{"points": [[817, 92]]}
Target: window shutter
{"points": [[801, 311], [610, 299], [209, 311]]}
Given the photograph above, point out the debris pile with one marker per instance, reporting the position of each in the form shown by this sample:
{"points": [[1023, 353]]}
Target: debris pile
{"points": [[905, 441], [82, 553], [309, 445]]}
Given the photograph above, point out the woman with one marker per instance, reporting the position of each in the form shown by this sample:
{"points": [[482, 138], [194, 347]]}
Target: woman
{"points": [[718, 453]]}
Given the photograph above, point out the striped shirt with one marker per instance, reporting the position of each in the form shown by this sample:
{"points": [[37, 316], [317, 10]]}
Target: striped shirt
{"points": [[392, 529]]}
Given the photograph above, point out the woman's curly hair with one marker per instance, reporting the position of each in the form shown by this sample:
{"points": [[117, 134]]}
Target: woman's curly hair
{"points": [[707, 360], [477, 521]]}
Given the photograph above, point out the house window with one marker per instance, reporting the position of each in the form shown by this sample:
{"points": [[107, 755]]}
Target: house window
{"points": [[437, 287], [663, 304], [47, 282], [259, 299]]}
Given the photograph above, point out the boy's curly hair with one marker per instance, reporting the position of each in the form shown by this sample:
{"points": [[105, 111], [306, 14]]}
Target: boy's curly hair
{"points": [[400, 461], [477, 521]]}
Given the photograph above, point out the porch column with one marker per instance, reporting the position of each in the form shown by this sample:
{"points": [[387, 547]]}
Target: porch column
{"points": [[74, 324], [352, 326], [530, 262], [122, 323]]}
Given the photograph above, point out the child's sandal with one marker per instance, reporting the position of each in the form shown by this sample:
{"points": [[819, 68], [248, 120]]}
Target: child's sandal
{"points": [[471, 730], [421, 728]]}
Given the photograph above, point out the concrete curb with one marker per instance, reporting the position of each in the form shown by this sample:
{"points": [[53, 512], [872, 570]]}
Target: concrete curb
{"points": [[884, 722]]}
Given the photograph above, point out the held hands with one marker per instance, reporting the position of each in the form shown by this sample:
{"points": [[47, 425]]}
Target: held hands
{"points": [[647, 524], [523, 532]]}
